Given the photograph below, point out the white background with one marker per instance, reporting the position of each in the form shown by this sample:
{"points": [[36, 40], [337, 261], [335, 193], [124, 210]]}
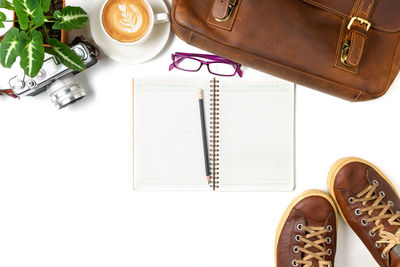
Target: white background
{"points": [[66, 196]]}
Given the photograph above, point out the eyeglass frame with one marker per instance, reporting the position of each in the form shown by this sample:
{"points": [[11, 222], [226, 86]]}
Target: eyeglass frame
{"points": [[213, 59]]}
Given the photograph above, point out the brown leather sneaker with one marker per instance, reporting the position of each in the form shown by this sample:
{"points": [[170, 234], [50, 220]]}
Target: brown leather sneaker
{"points": [[369, 203], [306, 235]]}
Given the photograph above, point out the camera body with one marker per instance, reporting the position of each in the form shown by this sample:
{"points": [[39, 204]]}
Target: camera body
{"points": [[55, 78]]}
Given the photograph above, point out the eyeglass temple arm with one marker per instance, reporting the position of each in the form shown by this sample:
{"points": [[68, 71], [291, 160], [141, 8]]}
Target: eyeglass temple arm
{"points": [[239, 70]]}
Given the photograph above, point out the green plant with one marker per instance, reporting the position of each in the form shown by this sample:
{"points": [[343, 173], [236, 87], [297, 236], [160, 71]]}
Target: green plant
{"points": [[26, 41]]}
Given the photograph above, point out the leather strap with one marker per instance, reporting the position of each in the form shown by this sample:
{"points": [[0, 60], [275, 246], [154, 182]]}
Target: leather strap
{"points": [[357, 33], [8, 92]]}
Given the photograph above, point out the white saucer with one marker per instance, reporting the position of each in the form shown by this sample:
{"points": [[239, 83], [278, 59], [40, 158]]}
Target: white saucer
{"points": [[131, 54]]}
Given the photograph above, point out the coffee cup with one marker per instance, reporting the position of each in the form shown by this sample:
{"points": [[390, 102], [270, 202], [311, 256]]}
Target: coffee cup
{"points": [[129, 22]]}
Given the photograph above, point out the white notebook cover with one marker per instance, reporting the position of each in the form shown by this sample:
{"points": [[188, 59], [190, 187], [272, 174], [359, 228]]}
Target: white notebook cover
{"points": [[254, 136]]}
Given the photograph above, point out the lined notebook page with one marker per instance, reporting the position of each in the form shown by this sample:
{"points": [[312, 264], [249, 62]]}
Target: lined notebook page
{"points": [[256, 135], [168, 151]]}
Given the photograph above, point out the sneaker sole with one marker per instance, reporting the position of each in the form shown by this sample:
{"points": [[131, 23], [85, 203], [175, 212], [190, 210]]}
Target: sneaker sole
{"points": [[338, 165], [309, 193]]}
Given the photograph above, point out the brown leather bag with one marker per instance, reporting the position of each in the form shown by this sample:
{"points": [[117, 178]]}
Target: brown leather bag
{"points": [[346, 48]]}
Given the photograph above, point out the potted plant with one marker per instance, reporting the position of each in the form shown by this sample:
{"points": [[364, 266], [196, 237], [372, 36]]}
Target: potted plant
{"points": [[37, 28]]}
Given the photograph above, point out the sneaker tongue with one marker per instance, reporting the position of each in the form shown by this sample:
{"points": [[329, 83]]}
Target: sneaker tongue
{"points": [[391, 229], [395, 256]]}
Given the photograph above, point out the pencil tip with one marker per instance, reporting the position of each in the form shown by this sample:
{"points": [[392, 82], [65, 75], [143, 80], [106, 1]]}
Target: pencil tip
{"points": [[209, 179], [201, 94]]}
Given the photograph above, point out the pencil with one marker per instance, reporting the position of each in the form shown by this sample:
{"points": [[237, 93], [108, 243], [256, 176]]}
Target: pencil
{"points": [[204, 133]]}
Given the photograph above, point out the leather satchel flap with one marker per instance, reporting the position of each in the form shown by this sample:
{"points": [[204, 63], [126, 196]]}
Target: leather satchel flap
{"points": [[385, 17]]}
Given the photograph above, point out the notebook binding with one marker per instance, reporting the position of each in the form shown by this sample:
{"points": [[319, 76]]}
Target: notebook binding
{"points": [[214, 133]]}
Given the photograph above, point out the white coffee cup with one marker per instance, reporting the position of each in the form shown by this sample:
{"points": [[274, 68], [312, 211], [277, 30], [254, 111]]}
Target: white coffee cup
{"points": [[155, 18]]}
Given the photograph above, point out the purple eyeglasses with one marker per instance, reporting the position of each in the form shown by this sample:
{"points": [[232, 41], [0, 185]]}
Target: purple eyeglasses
{"points": [[216, 65]]}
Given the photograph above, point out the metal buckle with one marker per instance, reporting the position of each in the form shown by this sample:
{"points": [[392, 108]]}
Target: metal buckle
{"points": [[231, 7], [362, 22], [345, 53]]}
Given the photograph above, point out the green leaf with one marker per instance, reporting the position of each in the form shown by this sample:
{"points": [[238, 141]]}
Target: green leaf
{"points": [[9, 48], [5, 4], [22, 41], [45, 5], [2, 19], [70, 18], [65, 54], [32, 54], [57, 14], [26, 9]]}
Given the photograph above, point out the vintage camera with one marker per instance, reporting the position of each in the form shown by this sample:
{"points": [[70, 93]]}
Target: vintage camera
{"points": [[55, 78]]}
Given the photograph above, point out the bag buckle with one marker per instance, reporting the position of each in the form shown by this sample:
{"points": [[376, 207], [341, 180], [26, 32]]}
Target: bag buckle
{"points": [[362, 22], [231, 7], [345, 53]]}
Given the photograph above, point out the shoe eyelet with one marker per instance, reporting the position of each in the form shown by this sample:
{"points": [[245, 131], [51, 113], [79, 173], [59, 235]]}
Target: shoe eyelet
{"points": [[364, 222], [299, 227], [378, 245], [391, 203], [383, 256], [372, 234], [329, 228], [296, 249], [297, 238], [328, 240], [382, 194], [329, 252], [294, 263], [358, 212], [375, 182], [351, 200]]}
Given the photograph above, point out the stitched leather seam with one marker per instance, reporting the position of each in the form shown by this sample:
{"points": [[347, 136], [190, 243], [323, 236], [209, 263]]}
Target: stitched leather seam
{"points": [[359, 96], [367, 12], [326, 7], [353, 10], [356, 8], [190, 36]]}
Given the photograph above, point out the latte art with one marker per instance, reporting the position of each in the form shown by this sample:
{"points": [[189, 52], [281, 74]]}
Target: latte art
{"points": [[126, 21], [131, 18]]}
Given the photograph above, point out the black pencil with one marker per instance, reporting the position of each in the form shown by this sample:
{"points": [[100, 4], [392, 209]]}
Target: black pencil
{"points": [[204, 133]]}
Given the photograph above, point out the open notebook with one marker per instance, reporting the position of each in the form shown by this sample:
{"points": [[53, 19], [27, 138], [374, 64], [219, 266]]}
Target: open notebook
{"points": [[251, 146]]}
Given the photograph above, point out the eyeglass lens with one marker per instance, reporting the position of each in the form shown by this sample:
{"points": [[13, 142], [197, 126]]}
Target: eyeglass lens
{"points": [[187, 64], [224, 69]]}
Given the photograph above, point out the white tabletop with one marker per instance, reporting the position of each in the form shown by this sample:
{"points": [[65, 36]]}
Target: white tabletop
{"points": [[66, 179]]}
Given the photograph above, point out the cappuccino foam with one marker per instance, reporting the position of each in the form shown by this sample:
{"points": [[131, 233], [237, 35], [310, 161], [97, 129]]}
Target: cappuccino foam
{"points": [[126, 21]]}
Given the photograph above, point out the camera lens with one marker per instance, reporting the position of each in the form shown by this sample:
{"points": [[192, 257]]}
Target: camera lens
{"points": [[65, 91]]}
